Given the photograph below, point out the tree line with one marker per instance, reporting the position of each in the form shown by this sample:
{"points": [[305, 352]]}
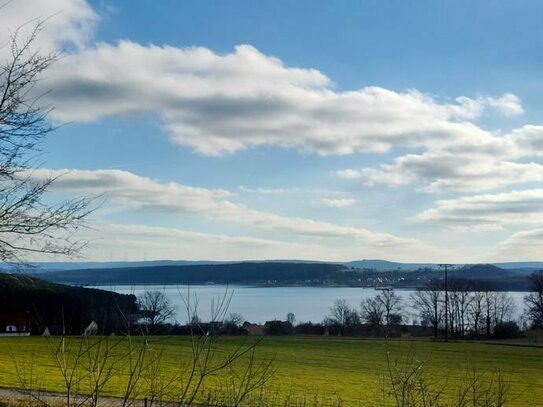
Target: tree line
{"points": [[462, 309]]}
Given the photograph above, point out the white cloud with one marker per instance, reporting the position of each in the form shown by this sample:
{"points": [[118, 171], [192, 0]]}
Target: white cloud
{"points": [[338, 203], [130, 190], [526, 141], [218, 104], [443, 171], [135, 191], [526, 245], [138, 242], [349, 173], [67, 22], [508, 104], [488, 211], [484, 163], [266, 191]]}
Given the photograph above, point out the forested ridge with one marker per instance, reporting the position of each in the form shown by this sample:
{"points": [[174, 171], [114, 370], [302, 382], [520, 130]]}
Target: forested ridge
{"points": [[63, 307], [284, 273]]}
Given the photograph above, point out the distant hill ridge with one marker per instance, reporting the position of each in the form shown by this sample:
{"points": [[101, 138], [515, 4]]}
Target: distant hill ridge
{"points": [[370, 264], [287, 273], [229, 273], [388, 265]]}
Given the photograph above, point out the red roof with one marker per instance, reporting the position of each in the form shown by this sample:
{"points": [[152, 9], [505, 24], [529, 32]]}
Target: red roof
{"points": [[13, 318]]}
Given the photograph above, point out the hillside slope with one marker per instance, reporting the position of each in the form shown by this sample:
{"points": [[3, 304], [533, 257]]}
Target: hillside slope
{"points": [[269, 274], [237, 273], [57, 305]]}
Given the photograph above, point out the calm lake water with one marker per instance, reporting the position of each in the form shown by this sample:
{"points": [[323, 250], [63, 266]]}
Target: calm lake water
{"points": [[260, 304]]}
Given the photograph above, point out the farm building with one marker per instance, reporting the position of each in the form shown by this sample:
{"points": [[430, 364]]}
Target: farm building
{"points": [[15, 324], [253, 329]]}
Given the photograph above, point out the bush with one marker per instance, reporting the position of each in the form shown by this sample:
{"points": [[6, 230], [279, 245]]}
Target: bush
{"points": [[307, 328], [278, 328], [505, 330]]}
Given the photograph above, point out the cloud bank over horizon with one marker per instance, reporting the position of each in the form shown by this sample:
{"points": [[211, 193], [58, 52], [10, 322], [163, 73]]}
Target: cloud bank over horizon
{"points": [[128, 190]]}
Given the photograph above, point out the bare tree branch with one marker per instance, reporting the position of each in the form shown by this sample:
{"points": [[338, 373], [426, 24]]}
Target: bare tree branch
{"points": [[28, 222]]}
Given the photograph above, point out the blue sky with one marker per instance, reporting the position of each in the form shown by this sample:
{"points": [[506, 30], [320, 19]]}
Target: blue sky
{"points": [[404, 130]]}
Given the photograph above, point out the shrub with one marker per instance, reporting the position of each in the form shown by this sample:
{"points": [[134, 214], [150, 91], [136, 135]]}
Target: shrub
{"points": [[509, 329]]}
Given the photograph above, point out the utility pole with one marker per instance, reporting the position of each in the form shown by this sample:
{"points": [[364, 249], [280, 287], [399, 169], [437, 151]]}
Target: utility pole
{"points": [[446, 267]]}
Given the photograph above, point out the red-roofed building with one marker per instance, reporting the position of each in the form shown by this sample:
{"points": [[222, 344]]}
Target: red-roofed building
{"points": [[15, 324]]}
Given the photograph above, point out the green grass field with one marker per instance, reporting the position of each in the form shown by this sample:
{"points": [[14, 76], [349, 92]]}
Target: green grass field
{"points": [[329, 369]]}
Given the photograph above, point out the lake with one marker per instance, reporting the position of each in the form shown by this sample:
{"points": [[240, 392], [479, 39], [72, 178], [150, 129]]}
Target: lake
{"points": [[260, 304]]}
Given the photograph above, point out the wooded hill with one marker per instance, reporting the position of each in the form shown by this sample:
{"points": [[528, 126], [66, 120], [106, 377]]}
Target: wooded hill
{"points": [[266, 273], [62, 307], [237, 273]]}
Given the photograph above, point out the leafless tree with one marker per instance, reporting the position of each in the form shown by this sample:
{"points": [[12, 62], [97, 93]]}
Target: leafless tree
{"points": [[235, 319], [156, 309], [28, 224], [477, 310], [343, 315], [246, 372], [504, 308], [291, 318], [101, 363], [409, 384], [534, 300], [383, 311], [373, 312], [392, 305], [139, 368], [460, 299], [429, 303], [68, 355]]}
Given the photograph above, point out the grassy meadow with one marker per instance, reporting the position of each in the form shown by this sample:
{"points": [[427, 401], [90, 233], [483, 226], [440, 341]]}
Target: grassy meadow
{"points": [[331, 371]]}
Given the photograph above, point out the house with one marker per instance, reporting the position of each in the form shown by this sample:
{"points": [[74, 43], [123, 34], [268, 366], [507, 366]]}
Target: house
{"points": [[15, 324], [253, 329]]}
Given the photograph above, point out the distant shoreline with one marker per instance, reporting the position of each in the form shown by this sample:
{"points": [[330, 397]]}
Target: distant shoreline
{"points": [[252, 285]]}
